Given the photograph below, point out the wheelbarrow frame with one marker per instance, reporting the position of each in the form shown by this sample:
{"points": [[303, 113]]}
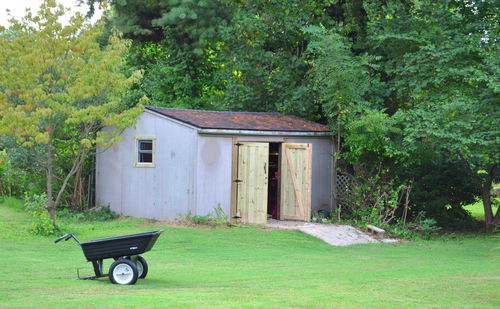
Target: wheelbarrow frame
{"points": [[121, 247]]}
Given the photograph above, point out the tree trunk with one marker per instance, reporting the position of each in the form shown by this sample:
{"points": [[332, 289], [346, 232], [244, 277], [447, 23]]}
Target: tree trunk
{"points": [[77, 194], [337, 149], [2, 191], [51, 207], [80, 158], [335, 199]]}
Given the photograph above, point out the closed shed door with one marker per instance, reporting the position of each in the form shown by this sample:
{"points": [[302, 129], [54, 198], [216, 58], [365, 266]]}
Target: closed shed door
{"points": [[295, 181], [252, 182]]}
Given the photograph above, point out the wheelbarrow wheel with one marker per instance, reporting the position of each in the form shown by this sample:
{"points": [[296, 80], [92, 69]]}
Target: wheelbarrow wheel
{"points": [[142, 267], [123, 271]]}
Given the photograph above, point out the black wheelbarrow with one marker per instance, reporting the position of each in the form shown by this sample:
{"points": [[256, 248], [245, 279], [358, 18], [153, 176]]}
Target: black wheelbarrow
{"points": [[128, 265]]}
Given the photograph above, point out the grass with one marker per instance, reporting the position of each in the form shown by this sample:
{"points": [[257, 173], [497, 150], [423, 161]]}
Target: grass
{"points": [[477, 211], [246, 267]]}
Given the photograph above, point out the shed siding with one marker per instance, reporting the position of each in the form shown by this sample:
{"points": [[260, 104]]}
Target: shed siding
{"points": [[109, 178], [192, 173], [321, 183], [160, 192], [214, 174]]}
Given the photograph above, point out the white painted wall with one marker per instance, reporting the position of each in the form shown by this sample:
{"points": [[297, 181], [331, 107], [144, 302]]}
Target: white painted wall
{"points": [[161, 192]]}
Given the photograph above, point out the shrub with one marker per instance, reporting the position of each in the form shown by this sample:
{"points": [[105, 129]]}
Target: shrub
{"points": [[35, 205], [98, 213]]}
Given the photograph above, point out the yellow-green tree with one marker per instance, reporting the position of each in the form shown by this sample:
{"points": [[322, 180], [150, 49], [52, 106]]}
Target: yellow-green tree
{"points": [[58, 83]]}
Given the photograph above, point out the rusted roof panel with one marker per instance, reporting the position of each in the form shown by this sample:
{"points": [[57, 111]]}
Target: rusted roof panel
{"points": [[240, 120]]}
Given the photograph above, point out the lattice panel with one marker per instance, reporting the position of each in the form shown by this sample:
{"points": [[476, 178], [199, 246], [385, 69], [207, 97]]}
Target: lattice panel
{"points": [[344, 185]]}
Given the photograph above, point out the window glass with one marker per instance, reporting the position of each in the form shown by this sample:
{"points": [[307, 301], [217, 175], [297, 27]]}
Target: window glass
{"points": [[145, 151], [146, 145]]}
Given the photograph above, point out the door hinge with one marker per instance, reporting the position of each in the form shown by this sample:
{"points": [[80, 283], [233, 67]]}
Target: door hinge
{"points": [[237, 180], [238, 144]]}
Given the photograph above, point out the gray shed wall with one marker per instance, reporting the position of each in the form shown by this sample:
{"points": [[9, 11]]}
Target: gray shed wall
{"points": [[214, 174], [160, 192], [192, 173]]}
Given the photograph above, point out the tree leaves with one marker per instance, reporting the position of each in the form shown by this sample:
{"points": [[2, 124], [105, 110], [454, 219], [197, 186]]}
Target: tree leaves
{"points": [[58, 87]]}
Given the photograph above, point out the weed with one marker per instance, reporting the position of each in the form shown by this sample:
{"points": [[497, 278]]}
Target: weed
{"points": [[218, 219]]}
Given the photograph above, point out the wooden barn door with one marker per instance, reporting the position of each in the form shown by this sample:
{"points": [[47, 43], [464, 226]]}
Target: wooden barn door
{"points": [[251, 183], [295, 197]]}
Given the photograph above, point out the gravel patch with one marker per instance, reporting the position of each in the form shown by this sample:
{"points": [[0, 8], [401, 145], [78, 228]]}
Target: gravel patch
{"points": [[333, 234]]}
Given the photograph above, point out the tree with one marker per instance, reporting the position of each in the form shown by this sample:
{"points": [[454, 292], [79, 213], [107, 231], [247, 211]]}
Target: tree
{"points": [[171, 46], [58, 87], [403, 83], [262, 59], [440, 60]]}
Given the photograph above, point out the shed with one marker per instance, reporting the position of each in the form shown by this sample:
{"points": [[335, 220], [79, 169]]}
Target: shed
{"points": [[255, 166]]}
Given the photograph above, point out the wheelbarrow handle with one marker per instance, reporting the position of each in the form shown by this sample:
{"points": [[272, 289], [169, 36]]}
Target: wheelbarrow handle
{"points": [[66, 237]]}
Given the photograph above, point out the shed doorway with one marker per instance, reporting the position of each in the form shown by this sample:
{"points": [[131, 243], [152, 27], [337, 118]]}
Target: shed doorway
{"points": [[273, 187], [271, 180]]}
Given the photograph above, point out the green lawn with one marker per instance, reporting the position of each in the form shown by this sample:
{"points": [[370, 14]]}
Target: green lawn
{"points": [[477, 211], [247, 267]]}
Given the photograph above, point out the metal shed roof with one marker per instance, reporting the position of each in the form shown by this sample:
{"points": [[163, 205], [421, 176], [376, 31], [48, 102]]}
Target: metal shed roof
{"points": [[240, 120]]}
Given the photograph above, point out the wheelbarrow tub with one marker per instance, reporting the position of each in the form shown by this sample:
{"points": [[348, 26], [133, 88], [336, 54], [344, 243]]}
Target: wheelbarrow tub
{"points": [[120, 246]]}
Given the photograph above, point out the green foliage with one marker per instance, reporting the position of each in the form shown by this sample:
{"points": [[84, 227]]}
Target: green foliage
{"points": [[410, 87], [262, 62], [41, 224], [58, 88], [217, 219], [95, 214], [20, 169], [441, 185], [340, 78], [170, 78], [441, 64], [171, 46], [420, 228], [191, 24]]}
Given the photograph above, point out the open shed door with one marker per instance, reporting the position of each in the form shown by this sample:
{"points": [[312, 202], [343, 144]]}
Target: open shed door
{"points": [[295, 198], [251, 182]]}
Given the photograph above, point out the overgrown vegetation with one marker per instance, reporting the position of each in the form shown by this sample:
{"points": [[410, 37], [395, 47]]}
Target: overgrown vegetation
{"points": [[95, 214]]}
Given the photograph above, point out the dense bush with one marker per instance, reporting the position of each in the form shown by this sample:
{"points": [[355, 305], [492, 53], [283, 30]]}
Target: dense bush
{"points": [[441, 186]]}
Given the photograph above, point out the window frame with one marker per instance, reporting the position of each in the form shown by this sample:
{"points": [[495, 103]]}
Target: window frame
{"points": [[138, 139]]}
